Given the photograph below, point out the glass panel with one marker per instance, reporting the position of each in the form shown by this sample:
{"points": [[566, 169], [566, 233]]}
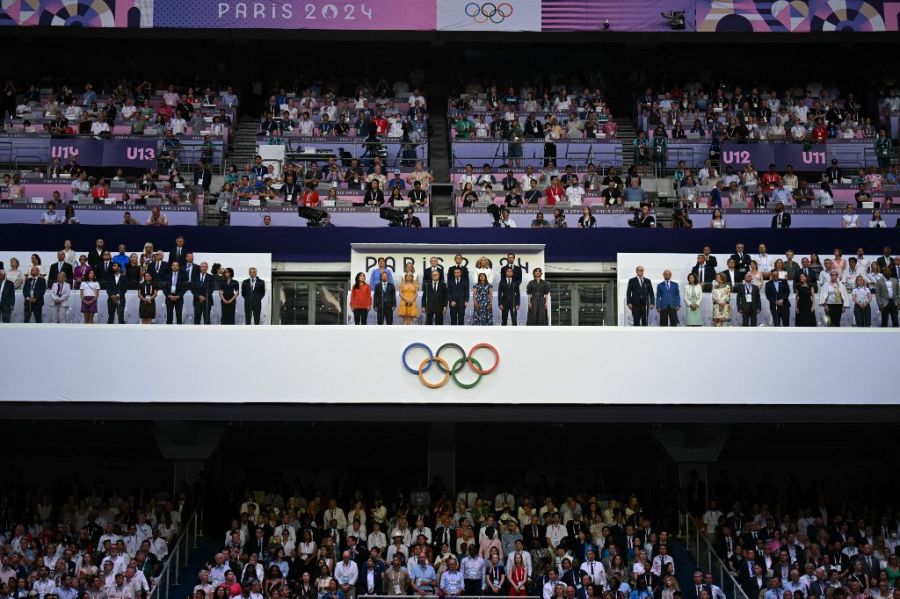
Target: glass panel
{"points": [[331, 299], [294, 302], [592, 304], [560, 304]]}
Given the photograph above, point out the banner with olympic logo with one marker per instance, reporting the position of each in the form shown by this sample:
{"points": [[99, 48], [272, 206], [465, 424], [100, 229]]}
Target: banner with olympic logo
{"points": [[418, 358], [489, 15]]}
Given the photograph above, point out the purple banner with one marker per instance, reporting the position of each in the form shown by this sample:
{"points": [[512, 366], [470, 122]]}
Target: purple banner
{"points": [[762, 155], [131, 152], [398, 15], [802, 218], [576, 152], [746, 16], [98, 214], [479, 217]]}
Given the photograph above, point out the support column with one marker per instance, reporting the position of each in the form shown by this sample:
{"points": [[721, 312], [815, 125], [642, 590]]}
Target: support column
{"points": [[442, 455], [693, 448], [188, 445]]}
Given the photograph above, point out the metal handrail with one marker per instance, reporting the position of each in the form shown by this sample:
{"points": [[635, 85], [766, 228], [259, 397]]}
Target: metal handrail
{"points": [[708, 560], [163, 580]]}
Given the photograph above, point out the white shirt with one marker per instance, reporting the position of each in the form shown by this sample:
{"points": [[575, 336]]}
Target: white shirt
{"points": [[98, 127], [596, 571], [467, 179], [178, 125], [765, 262], [575, 194], [850, 221], [346, 573], [306, 127], [510, 223], [51, 218]]}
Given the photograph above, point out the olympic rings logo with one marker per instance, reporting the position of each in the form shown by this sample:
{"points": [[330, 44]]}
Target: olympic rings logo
{"points": [[450, 372], [488, 11]]}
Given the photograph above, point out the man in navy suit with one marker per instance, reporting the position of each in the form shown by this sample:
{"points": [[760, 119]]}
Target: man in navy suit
{"points": [[116, 286], [509, 296], [777, 292], [33, 292], [175, 286], [705, 273], [189, 269], [202, 290], [748, 303], [384, 300], [435, 266], [179, 252], [104, 268], [639, 297], [434, 299], [457, 296], [517, 270], [668, 301], [60, 266], [464, 270]]}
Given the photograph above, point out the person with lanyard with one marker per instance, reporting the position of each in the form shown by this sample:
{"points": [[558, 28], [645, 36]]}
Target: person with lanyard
{"points": [[473, 569], [452, 581], [862, 299], [422, 576]]}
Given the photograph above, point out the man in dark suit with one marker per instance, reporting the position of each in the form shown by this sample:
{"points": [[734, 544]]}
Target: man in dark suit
{"points": [[60, 266], [885, 259], [742, 262], [384, 299], [509, 296], [668, 300], [693, 592], [33, 292], [534, 532], [179, 252], [833, 173], [366, 567], [639, 297], [116, 286], [705, 273], [748, 302], [104, 269], [189, 269], [253, 290], [810, 275], [781, 220], [7, 297], [434, 299], [457, 295], [95, 256], [202, 177], [463, 269], [159, 268], [435, 265], [175, 287], [517, 270], [202, 289], [777, 292]]}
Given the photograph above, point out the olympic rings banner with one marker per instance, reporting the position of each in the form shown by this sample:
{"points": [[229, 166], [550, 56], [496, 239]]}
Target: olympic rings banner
{"points": [[449, 369], [495, 15]]}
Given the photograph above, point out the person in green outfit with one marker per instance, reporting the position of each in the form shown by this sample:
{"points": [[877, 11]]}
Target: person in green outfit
{"points": [[464, 127], [883, 150]]}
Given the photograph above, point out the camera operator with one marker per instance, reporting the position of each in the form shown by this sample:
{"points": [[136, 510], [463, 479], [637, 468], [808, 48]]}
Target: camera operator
{"points": [[411, 219], [642, 218], [682, 220]]}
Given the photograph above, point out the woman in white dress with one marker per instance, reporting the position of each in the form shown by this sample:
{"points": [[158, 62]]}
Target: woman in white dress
{"points": [[482, 265], [90, 293]]}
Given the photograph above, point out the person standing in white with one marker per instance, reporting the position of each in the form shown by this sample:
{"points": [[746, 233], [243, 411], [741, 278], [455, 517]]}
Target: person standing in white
{"points": [[59, 299], [346, 573]]}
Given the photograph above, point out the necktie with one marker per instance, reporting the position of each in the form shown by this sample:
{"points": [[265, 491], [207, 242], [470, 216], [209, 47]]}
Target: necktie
{"points": [[509, 281], [667, 286], [435, 287], [384, 287], [701, 269], [59, 289]]}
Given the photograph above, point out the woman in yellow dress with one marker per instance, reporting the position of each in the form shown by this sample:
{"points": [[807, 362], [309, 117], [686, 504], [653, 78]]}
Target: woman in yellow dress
{"points": [[408, 309]]}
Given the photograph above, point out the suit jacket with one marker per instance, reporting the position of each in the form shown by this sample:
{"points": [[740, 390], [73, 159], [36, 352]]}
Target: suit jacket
{"points": [[426, 278], [709, 275], [668, 296], [162, 273], [692, 591], [883, 263], [384, 298], [781, 293], [35, 286], [434, 301], [712, 261], [94, 259], [636, 294], [529, 535], [742, 306], [457, 292], [463, 274], [785, 221], [173, 255], [508, 294], [254, 296], [438, 537], [881, 291], [203, 178], [728, 278], [54, 272], [63, 294], [194, 274], [104, 271], [7, 294], [113, 288], [180, 288], [206, 288], [362, 586], [517, 272], [741, 264]]}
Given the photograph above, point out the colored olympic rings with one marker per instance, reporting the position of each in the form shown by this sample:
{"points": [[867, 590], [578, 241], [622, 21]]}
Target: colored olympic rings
{"points": [[488, 11], [450, 372]]}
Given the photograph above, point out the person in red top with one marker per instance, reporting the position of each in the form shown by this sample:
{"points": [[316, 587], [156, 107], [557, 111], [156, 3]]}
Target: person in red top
{"points": [[819, 132], [99, 191], [770, 179], [554, 192], [310, 197], [360, 299], [381, 124]]}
